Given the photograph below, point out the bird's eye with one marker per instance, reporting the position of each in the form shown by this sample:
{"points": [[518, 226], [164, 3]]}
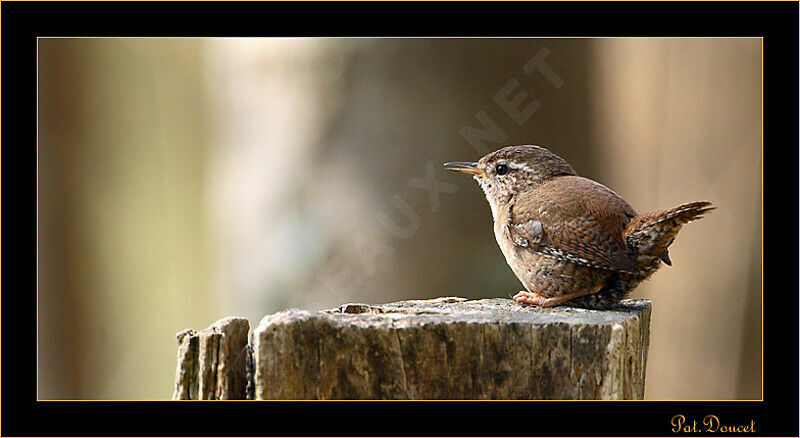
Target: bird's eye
{"points": [[501, 169]]}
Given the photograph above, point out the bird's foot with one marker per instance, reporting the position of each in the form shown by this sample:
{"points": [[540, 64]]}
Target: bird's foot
{"points": [[525, 297]]}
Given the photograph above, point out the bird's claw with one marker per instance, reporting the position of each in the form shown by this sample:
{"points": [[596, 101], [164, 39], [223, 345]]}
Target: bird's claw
{"points": [[524, 297]]}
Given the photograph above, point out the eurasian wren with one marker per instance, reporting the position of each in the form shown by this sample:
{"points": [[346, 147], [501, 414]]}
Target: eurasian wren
{"points": [[568, 239]]}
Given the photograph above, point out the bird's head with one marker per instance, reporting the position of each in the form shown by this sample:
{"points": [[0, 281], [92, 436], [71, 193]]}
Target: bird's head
{"points": [[512, 170]]}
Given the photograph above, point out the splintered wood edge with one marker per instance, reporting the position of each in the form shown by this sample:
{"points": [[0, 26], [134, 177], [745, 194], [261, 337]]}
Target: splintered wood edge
{"points": [[212, 363]]}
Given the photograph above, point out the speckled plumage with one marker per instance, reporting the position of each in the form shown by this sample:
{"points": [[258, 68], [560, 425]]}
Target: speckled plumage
{"points": [[568, 239]]}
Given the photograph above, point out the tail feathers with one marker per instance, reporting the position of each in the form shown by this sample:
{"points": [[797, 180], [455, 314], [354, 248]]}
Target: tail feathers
{"points": [[650, 234], [683, 214]]}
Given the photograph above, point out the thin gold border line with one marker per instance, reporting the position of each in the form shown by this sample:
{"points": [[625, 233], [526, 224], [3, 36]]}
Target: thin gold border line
{"points": [[762, 220], [165, 400], [37, 218], [400, 37], [411, 37]]}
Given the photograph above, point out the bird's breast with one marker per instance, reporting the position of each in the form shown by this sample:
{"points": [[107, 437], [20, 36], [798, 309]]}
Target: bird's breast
{"points": [[504, 241]]}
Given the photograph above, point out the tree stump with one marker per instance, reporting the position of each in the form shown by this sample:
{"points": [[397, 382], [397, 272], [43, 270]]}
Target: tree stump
{"points": [[448, 348]]}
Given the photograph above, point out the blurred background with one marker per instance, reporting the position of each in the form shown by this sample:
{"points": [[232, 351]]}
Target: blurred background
{"points": [[184, 180]]}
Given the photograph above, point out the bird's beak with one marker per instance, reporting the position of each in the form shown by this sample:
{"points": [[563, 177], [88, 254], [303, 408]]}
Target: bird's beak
{"points": [[463, 167]]}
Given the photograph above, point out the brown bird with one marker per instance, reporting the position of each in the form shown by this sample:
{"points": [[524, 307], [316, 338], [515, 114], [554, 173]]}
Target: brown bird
{"points": [[568, 239]]}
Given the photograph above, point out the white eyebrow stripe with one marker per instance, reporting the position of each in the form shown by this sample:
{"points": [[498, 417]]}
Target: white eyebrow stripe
{"points": [[518, 166]]}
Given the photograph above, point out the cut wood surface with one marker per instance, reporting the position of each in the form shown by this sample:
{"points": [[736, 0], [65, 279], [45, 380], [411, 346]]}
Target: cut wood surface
{"points": [[445, 348]]}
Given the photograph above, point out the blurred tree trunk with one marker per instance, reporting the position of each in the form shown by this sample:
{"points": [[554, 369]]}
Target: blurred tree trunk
{"points": [[121, 228], [680, 120]]}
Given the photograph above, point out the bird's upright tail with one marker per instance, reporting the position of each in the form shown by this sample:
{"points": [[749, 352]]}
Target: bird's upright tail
{"points": [[650, 234]]}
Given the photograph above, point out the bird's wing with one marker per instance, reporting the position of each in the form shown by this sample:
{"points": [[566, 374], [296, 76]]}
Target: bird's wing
{"points": [[585, 231]]}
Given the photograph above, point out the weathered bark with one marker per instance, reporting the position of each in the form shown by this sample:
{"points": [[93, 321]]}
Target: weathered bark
{"points": [[211, 363], [452, 348]]}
